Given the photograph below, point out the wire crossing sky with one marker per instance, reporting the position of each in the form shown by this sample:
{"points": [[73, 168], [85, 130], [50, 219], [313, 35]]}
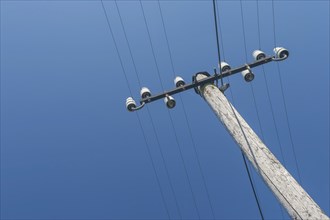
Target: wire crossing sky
{"points": [[70, 149]]}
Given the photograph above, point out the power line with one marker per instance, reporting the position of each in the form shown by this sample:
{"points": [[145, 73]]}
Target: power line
{"points": [[275, 125], [216, 32], [128, 44], [149, 114], [217, 38], [170, 116], [163, 159], [166, 38], [257, 166], [246, 167], [0, 97], [215, 9], [220, 31], [153, 0], [253, 189], [267, 88], [246, 58], [153, 165], [140, 123], [283, 97], [223, 47], [255, 105], [151, 45], [269, 99], [185, 114]]}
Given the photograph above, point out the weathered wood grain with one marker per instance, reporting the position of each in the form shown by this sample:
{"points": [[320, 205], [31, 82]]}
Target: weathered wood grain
{"points": [[287, 190]]}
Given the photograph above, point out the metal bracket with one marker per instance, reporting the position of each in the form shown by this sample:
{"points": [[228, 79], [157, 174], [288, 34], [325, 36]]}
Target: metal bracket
{"points": [[224, 87], [280, 59], [139, 107], [194, 81]]}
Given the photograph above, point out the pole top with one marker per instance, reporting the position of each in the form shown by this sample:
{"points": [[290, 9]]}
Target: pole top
{"points": [[194, 79]]}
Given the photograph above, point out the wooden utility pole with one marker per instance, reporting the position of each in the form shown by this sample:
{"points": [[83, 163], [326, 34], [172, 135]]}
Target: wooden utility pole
{"points": [[287, 190]]}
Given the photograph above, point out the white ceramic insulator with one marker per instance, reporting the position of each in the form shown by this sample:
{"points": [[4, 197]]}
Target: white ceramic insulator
{"points": [[224, 66], [258, 54], [248, 75], [145, 92], [178, 81], [169, 101], [281, 52], [130, 104]]}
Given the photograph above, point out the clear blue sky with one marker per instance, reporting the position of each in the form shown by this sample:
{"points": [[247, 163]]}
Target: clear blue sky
{"points": [[70, 150]]}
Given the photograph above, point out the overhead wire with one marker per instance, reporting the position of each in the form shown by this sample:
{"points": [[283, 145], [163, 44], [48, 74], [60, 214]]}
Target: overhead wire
{"points": [[185, 114], [246, 58], [267, 88], [166, 169], [149, 114], [268, 95], [260, 170], [215, 8], [170, 116], [151, 45], [283, 97], [217, 38], [254, 190], [138, 117], [258, 117], [222, 46]]}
